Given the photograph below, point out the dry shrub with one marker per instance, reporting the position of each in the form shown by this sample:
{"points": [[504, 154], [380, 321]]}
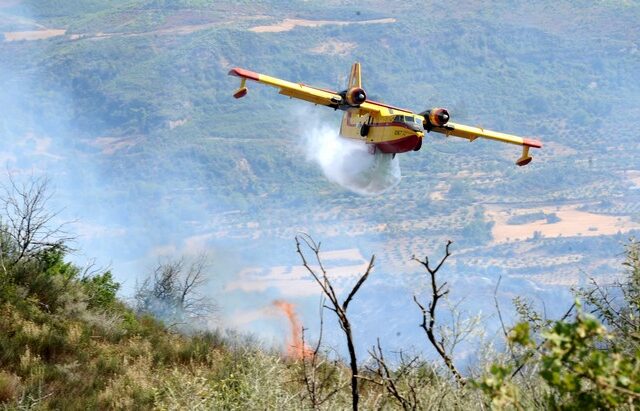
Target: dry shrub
{"points": [[132, 389], [254, 380], [10, 387], [106, 324]]}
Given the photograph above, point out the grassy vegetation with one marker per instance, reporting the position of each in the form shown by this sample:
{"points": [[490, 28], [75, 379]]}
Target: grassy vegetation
{"points": [[67, 342], [567, 73]]}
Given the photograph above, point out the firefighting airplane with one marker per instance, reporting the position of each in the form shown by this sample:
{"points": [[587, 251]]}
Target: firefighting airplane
{"points": [[382, 127]]}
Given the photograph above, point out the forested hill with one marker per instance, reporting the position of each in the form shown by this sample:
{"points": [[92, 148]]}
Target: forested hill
{"points": [[126, 107], [128, 104]]}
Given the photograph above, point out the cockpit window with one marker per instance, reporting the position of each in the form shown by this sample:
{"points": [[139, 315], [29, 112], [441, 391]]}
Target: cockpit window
{"points": [[406, 119]]}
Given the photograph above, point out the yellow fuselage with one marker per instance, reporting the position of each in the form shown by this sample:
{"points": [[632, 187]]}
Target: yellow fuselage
{"points": [[390, 131]]}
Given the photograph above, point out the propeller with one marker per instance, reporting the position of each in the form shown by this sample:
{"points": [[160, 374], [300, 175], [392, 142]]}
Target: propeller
{"points": [[435, 117]]}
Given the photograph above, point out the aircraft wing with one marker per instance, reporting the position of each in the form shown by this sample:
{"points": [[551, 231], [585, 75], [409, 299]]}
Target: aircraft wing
{"points": [[471, 133], [300, 91], [287, 88]]}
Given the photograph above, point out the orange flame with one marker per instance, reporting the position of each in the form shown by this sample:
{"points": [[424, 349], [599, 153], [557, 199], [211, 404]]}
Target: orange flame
{"points": [[296, 349]]}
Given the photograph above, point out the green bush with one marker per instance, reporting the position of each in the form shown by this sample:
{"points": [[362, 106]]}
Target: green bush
{"points": [[101, 290]]}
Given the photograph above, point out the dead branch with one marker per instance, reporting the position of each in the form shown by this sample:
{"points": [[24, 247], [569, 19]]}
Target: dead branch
{"points": [[315, 375], [3, 250], [538, 347], [29, 226], [309, 371], [319, 274], [389, 379], [504, 328], [605, 306], [173, 291], [460, 327], [429, 316]]}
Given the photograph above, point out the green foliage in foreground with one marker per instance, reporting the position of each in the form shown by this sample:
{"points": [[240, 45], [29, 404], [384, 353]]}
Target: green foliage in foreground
{"points": [[66, 342], [577, 371], [582, 364]]}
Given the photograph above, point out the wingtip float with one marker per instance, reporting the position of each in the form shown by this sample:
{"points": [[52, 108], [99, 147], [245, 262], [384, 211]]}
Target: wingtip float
{"points": [[385, 128]]}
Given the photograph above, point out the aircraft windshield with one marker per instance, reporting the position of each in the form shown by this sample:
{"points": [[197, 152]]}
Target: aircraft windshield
{"points": [[406, 119]]}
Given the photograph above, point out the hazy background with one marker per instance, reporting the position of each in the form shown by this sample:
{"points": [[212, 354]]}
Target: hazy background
{"points": [[126, 106]]}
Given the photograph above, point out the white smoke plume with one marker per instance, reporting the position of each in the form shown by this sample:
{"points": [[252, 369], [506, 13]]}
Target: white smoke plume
{"points": [[348, 162]]}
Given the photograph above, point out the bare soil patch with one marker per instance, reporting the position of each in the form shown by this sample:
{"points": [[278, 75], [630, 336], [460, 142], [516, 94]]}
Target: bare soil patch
{"points": [[33, 35], [168, 29], [438, 194], [177, 123], [110, 145], [178, 30], [295, 281], [334, 47], [634, 176], [290, 24], [572, 222]]}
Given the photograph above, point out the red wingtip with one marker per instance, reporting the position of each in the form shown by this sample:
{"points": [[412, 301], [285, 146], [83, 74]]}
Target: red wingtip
{"points": [[239, 72], [531, 143]]}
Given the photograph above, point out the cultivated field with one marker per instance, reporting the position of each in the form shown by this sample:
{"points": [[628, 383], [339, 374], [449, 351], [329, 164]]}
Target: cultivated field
{"points": [[572, 222]]}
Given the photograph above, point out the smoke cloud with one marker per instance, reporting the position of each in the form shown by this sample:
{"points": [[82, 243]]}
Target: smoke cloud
{"points": [[348, 162]]}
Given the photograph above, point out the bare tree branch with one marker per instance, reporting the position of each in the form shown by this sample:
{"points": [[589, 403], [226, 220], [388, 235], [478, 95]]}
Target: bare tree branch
{"points": [[504, 328], [29, 226], [174, 292], [389, 379], [317, 377], [429, 316], [361, 281], [529, 355], [322, 279]]}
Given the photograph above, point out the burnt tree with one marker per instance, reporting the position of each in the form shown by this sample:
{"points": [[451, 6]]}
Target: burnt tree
{"points": [[429, 314], [319, 274]]}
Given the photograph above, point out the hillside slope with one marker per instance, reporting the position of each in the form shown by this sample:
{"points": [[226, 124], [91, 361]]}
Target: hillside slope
{"points": [[66, 342], [127, 107]]}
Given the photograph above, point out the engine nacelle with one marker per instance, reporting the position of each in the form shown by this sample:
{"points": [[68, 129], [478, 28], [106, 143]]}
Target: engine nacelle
{"points": [[355, 96], [437, 117]]}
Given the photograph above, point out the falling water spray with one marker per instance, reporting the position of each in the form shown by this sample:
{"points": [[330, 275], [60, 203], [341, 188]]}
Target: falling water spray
{"points": [[348, 162]]}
